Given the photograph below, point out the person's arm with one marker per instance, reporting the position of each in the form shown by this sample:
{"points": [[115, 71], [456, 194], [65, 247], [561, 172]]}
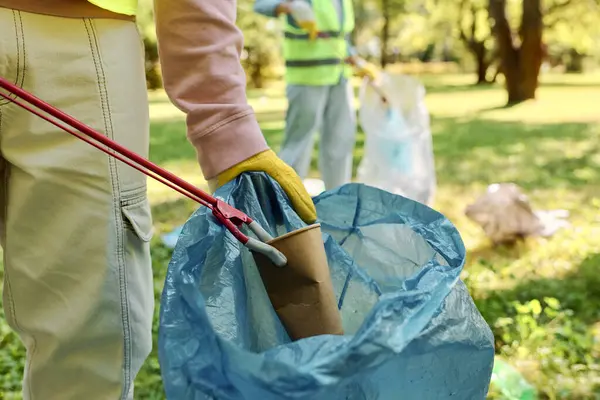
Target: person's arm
{"points": [[199, 48]]}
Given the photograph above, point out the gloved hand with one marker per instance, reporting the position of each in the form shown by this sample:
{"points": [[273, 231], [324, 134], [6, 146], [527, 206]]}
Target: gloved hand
{"points": [[268, 162], [365, 69], [304, 15]]}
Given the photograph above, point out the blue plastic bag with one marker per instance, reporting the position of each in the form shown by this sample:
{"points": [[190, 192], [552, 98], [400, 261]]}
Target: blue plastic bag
{"points": [[396, 148], [412, 330]]}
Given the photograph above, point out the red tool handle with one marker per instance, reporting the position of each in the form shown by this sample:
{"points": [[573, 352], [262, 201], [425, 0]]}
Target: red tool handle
{"points": [[230, 217]]}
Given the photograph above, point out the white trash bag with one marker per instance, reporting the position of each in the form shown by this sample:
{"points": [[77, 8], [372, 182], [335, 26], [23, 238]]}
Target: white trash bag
{"points": [[398, 153]]}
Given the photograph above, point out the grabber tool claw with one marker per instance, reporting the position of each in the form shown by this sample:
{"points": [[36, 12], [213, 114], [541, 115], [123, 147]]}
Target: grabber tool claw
{"points": [[232, 218]]}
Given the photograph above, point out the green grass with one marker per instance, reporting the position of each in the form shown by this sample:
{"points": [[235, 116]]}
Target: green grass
{"points": [[541, 297]]}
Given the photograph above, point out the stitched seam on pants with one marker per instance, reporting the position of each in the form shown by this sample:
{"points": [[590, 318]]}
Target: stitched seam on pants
{"points": [[11, 303], [18, 78], [101, 79], [24, 71], [127, 351], [133, 196], [21, 71]]}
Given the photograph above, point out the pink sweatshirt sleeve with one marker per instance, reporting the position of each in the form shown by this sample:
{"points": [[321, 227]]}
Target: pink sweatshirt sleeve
{"points": [[199, 47]]}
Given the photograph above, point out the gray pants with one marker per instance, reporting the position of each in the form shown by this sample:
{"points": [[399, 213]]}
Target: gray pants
{"points": [[329, 110]]}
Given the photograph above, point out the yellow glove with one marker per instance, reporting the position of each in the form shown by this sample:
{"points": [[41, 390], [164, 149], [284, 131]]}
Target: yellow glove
{"points": [[304, 15], [365, 69], [311, 28], [268, 162]]}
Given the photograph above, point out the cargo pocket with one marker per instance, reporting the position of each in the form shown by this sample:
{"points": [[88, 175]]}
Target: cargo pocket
{"points": [[138, 219], [138, 231]]}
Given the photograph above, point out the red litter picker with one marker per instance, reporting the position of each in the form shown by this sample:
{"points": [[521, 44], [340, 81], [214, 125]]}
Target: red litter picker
{"points": [[230, 217], [301, 293]]}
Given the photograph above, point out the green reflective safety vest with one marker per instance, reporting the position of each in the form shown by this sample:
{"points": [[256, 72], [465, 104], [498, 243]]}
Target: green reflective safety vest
{"points": [[321, 61], [127, 7]]}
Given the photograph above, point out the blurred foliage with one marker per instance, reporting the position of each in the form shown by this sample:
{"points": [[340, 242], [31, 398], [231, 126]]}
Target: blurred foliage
{"points": [[423, 30], [145, 21], [575, 25], [573, 34], [473, 29], [261, 57]]}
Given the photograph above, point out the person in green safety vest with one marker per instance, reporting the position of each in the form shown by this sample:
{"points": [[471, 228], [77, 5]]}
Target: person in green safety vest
{"points": [[76, 225], [319, 61]]}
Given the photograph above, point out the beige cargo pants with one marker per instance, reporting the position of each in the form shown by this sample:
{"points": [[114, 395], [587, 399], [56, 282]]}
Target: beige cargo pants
{"points": [[75, 224]]}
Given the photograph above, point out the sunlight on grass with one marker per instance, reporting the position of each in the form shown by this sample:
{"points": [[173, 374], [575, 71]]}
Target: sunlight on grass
{"points": [[556, 102], [161, 107]]}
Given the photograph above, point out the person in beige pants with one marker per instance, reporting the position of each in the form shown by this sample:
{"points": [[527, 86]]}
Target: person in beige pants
{"points": [[75, 223]]}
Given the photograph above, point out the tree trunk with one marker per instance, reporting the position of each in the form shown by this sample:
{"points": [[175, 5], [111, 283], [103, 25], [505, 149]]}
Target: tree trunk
{"points": [[520, 64], [497, 73], [482, 64], [531, 51], [256, 70], [575, 64], [482, 69], [254, 64], [257, 76], [475, 46], [153, 76], [385, 32]]}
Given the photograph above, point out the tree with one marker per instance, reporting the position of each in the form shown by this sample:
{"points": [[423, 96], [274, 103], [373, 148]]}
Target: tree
{"points": [[520, 54], [475, 33], [385, 31], [572, 42], [450, 30], [390, 9]]}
